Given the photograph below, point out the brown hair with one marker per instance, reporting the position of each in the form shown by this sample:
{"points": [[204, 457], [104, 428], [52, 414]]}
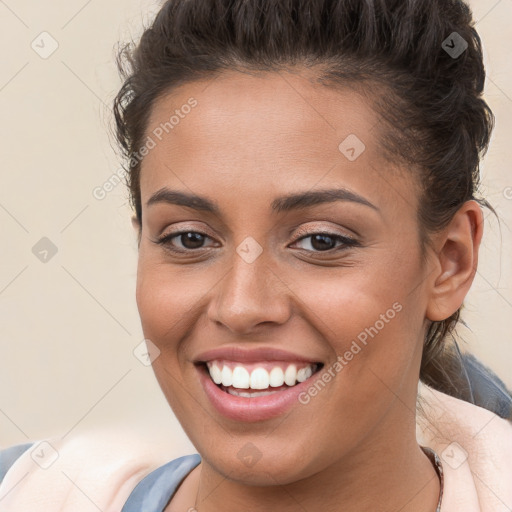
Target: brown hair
{"points": [[396, 51]]}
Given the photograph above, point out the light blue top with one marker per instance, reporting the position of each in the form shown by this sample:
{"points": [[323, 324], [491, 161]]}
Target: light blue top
{"points": [[154, 491]]}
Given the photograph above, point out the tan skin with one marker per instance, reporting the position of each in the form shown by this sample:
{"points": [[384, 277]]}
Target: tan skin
{"points": [[250, 139]]}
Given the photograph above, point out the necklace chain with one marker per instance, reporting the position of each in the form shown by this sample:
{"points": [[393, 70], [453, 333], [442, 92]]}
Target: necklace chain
{"points": [[436, 462]]}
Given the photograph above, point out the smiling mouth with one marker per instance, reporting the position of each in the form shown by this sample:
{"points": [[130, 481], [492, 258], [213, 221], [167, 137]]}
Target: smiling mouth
{"points": [[258, 379]]}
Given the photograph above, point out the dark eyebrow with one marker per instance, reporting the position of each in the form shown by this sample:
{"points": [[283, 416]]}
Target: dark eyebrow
{"points": [[165, 195], [312, 198], [281, 204]]}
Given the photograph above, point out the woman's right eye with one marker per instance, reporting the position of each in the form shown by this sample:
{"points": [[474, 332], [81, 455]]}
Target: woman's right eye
{"points": [[189, 240]]}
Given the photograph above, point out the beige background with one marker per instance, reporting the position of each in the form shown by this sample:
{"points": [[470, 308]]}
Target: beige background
{"points": [[69, 326]]}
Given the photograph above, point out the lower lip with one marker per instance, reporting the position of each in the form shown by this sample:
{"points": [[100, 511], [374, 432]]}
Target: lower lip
{"points": [[258, 408]]}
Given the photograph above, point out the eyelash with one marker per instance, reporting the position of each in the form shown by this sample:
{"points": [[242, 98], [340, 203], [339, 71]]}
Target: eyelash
{"points": [[345, 240]]}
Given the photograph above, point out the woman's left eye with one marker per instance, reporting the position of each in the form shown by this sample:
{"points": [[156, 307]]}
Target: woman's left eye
{"points": [[323, 242]]}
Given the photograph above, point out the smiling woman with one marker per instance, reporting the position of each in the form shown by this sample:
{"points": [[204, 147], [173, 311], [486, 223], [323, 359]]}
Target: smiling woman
{"points": [[307, 234]]}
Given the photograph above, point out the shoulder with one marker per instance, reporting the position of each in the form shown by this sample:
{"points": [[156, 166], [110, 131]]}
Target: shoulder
{"points": [[475, 447], [486, 388], [154, 492], [451, 417], [100, 466], [8, 456]]}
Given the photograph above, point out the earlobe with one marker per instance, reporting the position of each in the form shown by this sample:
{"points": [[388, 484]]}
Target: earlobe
{"points": [[135, 223], [137, 227], [457, 260]]}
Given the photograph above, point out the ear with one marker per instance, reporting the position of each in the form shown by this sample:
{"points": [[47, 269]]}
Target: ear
{"points": [[455, 261], [135, 223], [137, 227]]}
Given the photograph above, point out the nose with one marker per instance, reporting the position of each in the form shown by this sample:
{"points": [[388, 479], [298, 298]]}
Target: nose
{"points": [[249, 297]]}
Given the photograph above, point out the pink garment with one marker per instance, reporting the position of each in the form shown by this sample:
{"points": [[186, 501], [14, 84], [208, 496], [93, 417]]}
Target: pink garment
{"points": [[99, 470], [475, 447]]}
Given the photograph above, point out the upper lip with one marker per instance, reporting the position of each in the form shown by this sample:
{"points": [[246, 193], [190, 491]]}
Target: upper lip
{"points": [[245, 355]]}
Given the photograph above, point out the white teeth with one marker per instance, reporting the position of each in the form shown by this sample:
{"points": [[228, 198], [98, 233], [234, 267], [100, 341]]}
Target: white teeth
{"points": [[254, 394], [227, 376], [259, 378], [290, 375], [216, 374], [304, 373], [276, 377], [241, 378]]}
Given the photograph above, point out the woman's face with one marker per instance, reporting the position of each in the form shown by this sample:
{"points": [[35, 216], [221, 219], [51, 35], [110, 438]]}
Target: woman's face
{"points": [[257, 273]]}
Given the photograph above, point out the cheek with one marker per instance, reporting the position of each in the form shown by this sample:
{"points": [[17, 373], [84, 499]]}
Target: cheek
{"points": [[348, 301], [166, 301], [166, 298], [366, 324], [373, 324]]}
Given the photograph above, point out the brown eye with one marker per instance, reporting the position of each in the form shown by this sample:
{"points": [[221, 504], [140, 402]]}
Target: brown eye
{"points": [[186, 240], [322, 242], [191, 240]]}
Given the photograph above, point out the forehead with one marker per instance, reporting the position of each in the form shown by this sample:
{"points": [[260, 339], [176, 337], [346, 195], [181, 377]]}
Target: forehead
{"points": [[253, 109], [253, 128]]}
